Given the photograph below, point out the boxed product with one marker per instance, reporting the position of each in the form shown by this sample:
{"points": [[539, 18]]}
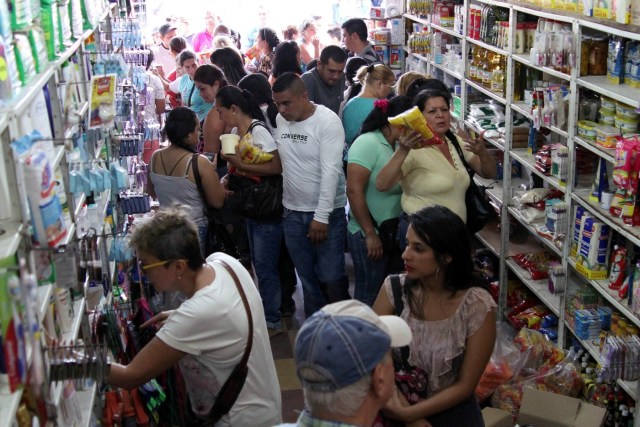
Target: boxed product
{"points": [[559, 410], [494, 417], [593, 250]]}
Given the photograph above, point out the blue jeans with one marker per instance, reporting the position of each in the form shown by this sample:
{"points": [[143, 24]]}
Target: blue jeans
{"points": [[264, 243], [369, 274], [320, 267]]}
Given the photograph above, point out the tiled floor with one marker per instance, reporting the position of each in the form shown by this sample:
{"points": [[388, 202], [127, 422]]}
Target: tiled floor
{"points": [[282, 349]]}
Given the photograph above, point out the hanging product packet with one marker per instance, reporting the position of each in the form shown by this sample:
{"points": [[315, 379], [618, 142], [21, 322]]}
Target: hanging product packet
{"points": [[413, 119]]}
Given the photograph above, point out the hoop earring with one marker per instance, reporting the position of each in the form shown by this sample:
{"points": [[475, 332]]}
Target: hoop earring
{"points": [[437, 272]]}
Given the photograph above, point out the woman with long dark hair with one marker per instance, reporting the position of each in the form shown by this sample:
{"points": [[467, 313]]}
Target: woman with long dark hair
{"points": [[451, 317], [286, 58], [239, 110], [230, 62]]}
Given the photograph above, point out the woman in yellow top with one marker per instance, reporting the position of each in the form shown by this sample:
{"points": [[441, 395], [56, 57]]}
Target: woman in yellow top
{"points": [[434, 175]]}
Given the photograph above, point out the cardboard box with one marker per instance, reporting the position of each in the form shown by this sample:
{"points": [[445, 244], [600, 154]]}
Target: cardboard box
{"points": [[544, 409], [494, 417]]}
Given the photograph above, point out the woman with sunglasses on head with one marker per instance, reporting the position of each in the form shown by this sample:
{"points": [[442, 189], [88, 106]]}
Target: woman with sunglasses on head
{"points": [[377, 83], [452, 318], [186, 86], [435, 174], [171, 178], [207, 335]]}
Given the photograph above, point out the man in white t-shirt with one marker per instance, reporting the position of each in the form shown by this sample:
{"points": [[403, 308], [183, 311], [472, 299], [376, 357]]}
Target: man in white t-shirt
{"points": [[162, 51], [155, 95], [310, 141]]}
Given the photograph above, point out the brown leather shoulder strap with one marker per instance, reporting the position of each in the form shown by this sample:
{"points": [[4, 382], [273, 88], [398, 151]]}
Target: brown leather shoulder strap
{"points": [[245, 302]]}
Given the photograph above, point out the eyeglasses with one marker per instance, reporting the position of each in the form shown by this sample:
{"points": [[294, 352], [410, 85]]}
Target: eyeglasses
{"points": [[148, 267]]}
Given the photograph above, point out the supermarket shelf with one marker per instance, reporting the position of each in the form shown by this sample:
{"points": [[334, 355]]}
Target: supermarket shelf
{"points": [[86, 401], [8, 405], [523, 58], [417, 55], [522, 108], [602, 286], [447, 30], [492, 141], [631, 233], [628, 31], [623, 93], [79, 201], [557, 15], [528, 161], [493, 188], [496, 3], [4, 120], [415, 18], [29, 92], [487, 92], [59, 149], [548, 243], [44, 295], [487, 46], [382, 19], [491, 237], [10, 239], [609, 154], [67, 338], [630, 387], [71, 231], [538, 287], [446, 70]]}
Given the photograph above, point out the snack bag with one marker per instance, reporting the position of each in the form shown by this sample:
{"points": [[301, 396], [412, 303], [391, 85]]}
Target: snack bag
{"points": [[413, 119], [250, 153]]}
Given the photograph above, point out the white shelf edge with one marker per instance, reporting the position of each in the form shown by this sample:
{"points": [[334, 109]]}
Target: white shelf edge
{"points": [[527, 160], [623, 93], [538, 287], [415, 18], [548, 243], [486, 91], [10, 239], [71, 231], [519, 107], [630, 233], [487, 46], [484, 237], [559, 131], [26, 95], [555, 16], [59, 149], [9, 403], [86, 400], [446, 70], [4, 120], [447, 30], [524, 59], [79, 201], [496, 3], [78, 314], [616, 32], [601, 287], [44, 295], [606, 153], [491, 141]]}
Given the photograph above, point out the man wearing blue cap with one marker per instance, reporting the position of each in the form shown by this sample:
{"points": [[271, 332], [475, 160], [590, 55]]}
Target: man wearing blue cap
{"points": [[343, 359]]}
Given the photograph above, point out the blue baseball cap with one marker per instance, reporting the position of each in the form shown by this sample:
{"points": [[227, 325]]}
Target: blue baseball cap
{"points": [[344, 342]]}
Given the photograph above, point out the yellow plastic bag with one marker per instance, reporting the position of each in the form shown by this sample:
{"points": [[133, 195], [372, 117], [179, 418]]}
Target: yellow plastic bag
{"points": [[413, 119], [250, 153]]}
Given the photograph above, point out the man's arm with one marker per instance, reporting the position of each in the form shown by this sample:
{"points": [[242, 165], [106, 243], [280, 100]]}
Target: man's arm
{"points": [[331, 145]]}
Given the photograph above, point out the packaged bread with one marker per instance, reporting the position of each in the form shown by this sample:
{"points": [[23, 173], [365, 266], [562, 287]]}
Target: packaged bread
{"points": [[413, 119], [250, 153]]}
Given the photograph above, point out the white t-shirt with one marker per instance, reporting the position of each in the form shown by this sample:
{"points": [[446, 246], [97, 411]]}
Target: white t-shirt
{"points": [[155, 90], [162, 56], [311, 155], [211, 327]]}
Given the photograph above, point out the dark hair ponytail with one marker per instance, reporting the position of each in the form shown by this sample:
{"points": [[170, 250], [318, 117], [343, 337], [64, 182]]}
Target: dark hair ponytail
{"points": [[258, 85], [243, 99], [378, 118]]}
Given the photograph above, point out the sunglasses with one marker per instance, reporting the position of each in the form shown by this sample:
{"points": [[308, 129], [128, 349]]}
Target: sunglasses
{"points": [[148, 267]]}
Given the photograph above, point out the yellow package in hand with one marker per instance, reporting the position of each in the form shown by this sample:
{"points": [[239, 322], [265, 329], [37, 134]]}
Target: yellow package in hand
{"points": [[250, 153], [414, 119]]}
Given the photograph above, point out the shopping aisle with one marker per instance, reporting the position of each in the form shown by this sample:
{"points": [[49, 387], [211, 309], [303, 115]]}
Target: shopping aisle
{"points": [[282, 349]]}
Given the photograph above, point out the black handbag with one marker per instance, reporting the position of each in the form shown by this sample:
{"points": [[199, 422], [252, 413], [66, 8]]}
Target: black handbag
{"points": [[388, 234], [479, 211], [218, 237], [258, 200]]}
